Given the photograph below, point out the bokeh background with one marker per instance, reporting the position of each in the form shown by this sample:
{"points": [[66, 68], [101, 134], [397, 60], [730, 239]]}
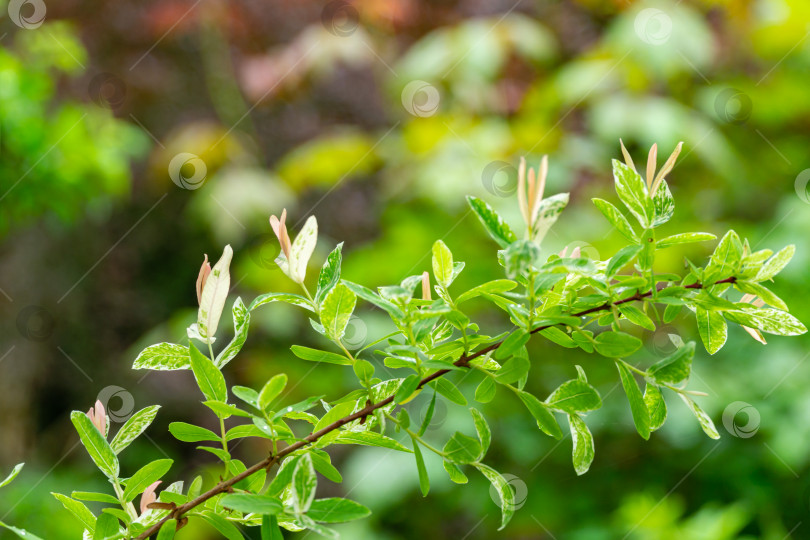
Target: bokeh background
{"points": [[137, 136]]}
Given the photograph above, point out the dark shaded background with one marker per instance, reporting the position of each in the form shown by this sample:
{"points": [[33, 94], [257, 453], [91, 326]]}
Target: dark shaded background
{"points": [[379, 116]]}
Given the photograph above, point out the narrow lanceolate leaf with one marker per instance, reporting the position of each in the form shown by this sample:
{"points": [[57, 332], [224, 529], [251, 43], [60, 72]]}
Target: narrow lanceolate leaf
{"points": [[663, 205], [633, 193], [314, 355], [550, 210], [492, 287], [656, 406], [704, 419], [330, 273], [96, 445], [106, 527], [616, 218], [482, 428], [241, 323], [370, 438], [684, 238], [583, 444], [21, 533], [191, 433], [336, 310], [292, 299], [167, 530], [641, 416], [725, 261], [544, 418], [504, 490], [442, 263], [302, 248], [250, 503], [497, 228], [424, 480], [771, 321], [163, 357], [304, 483], [462, 448], [148, 474], [12, 475], [621, 259], [270, 528], [616, 344], [271, 390], [575, 396], [675, 368], [79, 510], [337, 510], [776, 263], [455, 473], [133, 428], [712, 328], [209, 378], [214, 294]]}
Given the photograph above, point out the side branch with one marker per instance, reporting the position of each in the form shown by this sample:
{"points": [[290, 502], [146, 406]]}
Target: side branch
{"points": [[464, 361]]}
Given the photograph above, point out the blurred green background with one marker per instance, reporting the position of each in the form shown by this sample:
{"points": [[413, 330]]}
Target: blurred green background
{"points": [[379, 116]]}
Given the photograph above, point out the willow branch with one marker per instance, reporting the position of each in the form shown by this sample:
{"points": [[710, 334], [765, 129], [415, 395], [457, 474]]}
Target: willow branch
{"points": [[369, 409]]}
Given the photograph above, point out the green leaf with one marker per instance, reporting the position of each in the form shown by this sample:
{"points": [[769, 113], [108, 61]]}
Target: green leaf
{"points": [[407, 387], [369, 438], [575, 396], [684, 238], [270, 529], [146, 475], [493, 223], [424, 480], [519, 257], [725, 261], [767, 296], [330, 273], [482, 428], [492, 287], [549, 210], [96, 445], [641, 416], [209, 378], [214, 294], [337, 412], [513, 370], [337, 510], [370, 296], [616, 218], [106, 526], [22, 533], [516, 340], [167, 530], [620, 260], [133, 428], [323, 464], [504, 491], [191, 433], [250, 503], [314, 355], [675, 368], [544, 418], [79, 511], [462, 448], [449, 390], [292, 299], [455, 473], [271, 390], [637, 317], [616, 344], [336, 310], [656, 406], [704, 419], [771, 321], [776, 263], [227, 529], [428, 415], [663, 204], [241, 323], [94, 497], [633, 192], [558, 336], [442, 264], [12, 475], [304, 483], [712, 328], [163, 357], [583, 444]]}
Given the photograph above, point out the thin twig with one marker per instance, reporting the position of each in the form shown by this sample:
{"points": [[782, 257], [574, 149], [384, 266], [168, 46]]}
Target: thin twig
{"points": [[464, 361]]}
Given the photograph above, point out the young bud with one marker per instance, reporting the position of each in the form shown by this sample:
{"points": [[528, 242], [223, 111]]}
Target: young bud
{"points": [[149, 496], [280, 228], [425, 286], [98, 416], [205, 270]]}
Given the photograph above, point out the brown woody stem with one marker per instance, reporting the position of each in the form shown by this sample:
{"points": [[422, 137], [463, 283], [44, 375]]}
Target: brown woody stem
{"points": [[272, 459]]}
